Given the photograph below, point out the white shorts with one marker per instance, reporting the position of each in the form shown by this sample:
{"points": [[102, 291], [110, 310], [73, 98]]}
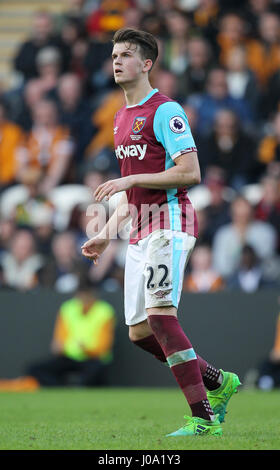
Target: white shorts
{"points": [[154, 272]]}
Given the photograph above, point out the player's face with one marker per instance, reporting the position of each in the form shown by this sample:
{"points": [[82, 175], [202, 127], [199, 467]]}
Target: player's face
{"points": [[128, 64]]}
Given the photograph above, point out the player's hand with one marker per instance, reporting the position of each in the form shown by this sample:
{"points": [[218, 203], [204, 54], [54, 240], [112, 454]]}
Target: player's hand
{"points": [[94, 247], [112, 187]]}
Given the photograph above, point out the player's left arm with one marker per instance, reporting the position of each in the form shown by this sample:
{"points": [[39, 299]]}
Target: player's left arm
{"points": [[186, 172]]}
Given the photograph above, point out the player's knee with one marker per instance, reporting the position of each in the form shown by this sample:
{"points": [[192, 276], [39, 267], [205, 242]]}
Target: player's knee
{"points": [[131, 334], [134, 334], [162, 310], [139, 331]]}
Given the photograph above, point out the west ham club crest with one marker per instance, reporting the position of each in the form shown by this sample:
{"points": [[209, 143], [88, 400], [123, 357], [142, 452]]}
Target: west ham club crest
{"points": [[138, 124]]}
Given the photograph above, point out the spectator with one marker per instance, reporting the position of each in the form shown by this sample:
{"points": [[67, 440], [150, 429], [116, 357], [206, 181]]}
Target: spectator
{"points": [[20, 265], [202, 277], [193, 79], [36, 209], [77, 66], [75, 113], [61, 270], [174, 53], [232, 33], [165, 81], [48, 62], [242, 83], [192, 115], [164, 6], [71, 29], [107, 273], [10, 142], [230, 239], [269, 146], [153, 23], [43, 232], [76, 10], [268, 209], [270, 99], [107, 18], [7, 231], [231, 149], [42, 36], [217, 212], [48, 145], [253, 10], [33, 93], [81, 347], [74, 35], [216, 98], [93, 178], [103, 120], [249, 275], [78, 225], [263, 55], [132, 17], [206, 17], [98, 63], [203, 225]]}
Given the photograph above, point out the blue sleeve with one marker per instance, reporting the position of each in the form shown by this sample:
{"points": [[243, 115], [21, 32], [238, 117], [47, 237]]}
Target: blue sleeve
{"points": [[172, 129]]}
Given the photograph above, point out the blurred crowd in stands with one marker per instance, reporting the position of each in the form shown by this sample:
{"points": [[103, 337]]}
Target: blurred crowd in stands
{"points": [[221, 61]]}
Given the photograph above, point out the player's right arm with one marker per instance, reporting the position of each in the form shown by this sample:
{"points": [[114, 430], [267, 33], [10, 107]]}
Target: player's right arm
{"points": [[94, 247]]}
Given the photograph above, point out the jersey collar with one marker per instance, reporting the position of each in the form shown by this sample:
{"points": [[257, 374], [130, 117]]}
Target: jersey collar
{"points": [[155, 90]]}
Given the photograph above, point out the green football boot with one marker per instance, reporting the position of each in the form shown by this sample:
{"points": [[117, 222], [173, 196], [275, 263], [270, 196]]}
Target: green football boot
{"points": [[198, 426], [220, 397]]}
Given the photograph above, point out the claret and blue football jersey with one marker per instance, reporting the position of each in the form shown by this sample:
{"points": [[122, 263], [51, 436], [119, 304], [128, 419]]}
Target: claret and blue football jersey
{"points": [[148, 138]]}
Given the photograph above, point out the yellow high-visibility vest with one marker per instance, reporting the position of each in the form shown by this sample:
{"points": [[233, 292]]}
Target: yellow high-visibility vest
{"points": [[85, 328]]}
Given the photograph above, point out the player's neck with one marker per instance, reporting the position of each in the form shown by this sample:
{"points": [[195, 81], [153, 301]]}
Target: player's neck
{"points": [[136, 93]]}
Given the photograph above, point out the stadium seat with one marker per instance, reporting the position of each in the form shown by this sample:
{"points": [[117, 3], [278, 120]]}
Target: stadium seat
{"points": [[200, 197], [10, 198], [65, 198], [253, 192]]}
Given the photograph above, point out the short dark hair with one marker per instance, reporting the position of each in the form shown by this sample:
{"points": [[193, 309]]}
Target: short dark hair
{"points": [[146, 41]]}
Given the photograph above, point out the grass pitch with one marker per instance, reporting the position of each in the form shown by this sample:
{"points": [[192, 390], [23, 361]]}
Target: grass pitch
{"points": [[130, 419]]}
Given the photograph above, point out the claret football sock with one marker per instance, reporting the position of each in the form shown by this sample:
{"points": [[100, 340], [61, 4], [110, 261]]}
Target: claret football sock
{"points": [[183, 363], [151, 345], [212, 377]]}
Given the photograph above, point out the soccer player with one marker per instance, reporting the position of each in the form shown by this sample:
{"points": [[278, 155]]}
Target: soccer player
{"points": [[158, 162]]}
